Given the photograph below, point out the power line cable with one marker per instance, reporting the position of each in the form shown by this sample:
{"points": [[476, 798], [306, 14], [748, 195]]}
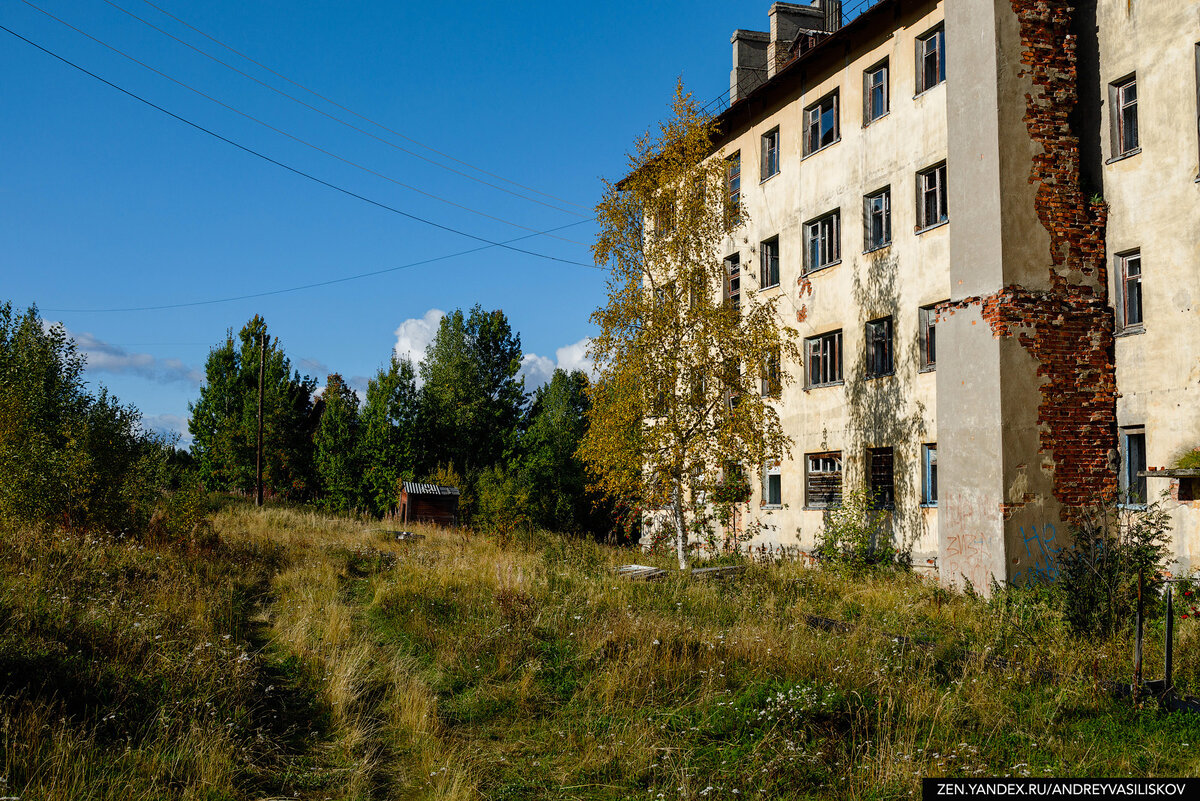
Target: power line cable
{"points": [[282, 132], [309, 176], [379, 125], [326, 114], [297, 288]]}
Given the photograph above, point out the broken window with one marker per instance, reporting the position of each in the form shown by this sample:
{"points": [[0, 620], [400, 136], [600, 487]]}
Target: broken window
{"points": [[879, 348], [1122, 96], [733, 281], [772, 376], [931, 197], [772, 489], [823, 480], [1129, 290], [929, 492], [875, 92], [881, 478], [770, 154], [823, 242], [1133, 462], [931, 59], [877, 219], [768, 274], [927, 335], [821, 123], [824, 355]]}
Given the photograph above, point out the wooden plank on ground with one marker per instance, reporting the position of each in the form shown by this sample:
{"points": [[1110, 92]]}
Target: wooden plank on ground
{"points": [[640, 572], [728, 571]]}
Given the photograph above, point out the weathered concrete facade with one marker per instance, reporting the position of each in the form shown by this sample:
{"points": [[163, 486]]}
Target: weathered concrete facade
{"points": [[1057, 372]]}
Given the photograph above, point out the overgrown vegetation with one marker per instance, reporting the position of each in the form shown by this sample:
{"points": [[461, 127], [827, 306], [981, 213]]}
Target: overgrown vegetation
{"points": [[857, 536], [314, 657], [69, 457], [1116, 545]]}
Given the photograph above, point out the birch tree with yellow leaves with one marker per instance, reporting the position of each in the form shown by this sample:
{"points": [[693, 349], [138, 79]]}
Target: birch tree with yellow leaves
{"points": [[692, 358]]}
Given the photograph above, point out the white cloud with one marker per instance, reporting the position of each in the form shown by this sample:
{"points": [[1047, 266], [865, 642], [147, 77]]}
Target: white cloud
{"points": [[414, 335], [105, 358], [167, 425], [538, 370]]}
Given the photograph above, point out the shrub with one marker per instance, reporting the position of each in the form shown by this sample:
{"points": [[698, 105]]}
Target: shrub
{"points": [[68, 457], [1097, 584], [857, 536]]}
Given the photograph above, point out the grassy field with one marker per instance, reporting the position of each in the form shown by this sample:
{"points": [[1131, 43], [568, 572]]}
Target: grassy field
{"points": [[316, 658]]}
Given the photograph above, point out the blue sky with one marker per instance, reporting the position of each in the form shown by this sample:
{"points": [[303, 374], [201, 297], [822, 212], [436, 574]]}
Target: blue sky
{"points": [[106, 203]]}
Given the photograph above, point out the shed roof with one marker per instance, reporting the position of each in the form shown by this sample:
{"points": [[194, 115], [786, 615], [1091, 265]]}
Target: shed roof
{"points": [[417, 488]]}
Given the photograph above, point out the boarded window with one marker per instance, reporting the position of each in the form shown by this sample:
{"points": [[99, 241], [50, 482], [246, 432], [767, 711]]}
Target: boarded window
{"points": [[823, 479], [881, 478]]}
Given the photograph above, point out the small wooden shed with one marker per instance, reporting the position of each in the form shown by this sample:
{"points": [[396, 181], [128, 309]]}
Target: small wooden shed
{"points": [[428, 503]]}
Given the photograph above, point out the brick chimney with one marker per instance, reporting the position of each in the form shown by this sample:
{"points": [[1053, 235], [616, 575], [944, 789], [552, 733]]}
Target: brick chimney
{"points": [[749, 63], [788, 23]]}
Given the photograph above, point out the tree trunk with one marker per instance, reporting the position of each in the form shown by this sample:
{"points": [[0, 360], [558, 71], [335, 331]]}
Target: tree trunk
{"points": [[680, 529]]}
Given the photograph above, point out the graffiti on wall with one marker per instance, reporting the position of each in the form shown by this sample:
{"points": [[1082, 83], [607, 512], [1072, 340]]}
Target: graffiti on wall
{"points": [[1040, 560], [966, 555]]}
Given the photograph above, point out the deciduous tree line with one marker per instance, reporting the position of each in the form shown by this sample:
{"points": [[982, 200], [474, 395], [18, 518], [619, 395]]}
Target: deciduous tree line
{"points": [[461, 415]]}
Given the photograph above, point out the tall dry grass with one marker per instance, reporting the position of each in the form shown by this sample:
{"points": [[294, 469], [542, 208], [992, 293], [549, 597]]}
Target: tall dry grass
{"points": [[318, 656]]}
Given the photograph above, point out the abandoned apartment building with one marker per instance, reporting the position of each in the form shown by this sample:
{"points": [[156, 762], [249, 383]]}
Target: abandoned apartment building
{"points": [[990, 210]]}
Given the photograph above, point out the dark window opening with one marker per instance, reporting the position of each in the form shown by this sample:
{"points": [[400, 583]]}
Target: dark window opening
{"points": [[1133, 462], [877, 219], [931, 197], [822, 242], [881, 478], [768, 274], [821, 124], [1130, 290], [927, 335], [929, 492], [879, 348], [824, 354], [770, 154], [931, 60], [875, 93]]}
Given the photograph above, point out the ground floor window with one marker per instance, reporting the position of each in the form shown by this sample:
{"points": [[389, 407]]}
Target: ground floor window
{"points": [[929, 491], [823, 480], [772, 492], [1133, 462], [881, 478]]}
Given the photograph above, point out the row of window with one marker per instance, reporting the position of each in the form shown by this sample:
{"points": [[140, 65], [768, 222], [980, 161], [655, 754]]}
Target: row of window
{"points": [[821, 126], [823, 479], [824, 351], [823, 235]]}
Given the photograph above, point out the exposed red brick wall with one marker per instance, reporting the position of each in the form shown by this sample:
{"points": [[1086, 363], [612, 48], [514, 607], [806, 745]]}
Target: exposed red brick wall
{"points": [[1069, 328]]}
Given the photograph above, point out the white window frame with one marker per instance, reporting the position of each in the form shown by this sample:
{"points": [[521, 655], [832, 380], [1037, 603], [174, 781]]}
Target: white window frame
{"points": [[936, 37], [771, 473], [884, 198], [825, 232], [929, 474], [769, 167], [1124, 281], [870, 112], [931, 183]]}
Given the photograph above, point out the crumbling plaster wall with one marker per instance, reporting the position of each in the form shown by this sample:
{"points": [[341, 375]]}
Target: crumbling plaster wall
{"points": [[897, 411], [1154, 206]]}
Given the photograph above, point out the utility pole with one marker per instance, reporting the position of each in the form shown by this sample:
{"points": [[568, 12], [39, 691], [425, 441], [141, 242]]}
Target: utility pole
{"points": [[262, 361]]}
